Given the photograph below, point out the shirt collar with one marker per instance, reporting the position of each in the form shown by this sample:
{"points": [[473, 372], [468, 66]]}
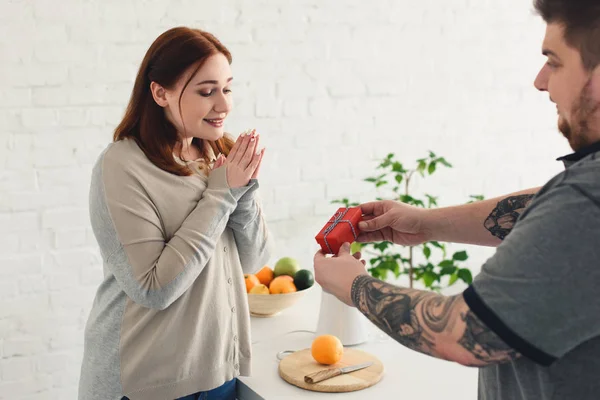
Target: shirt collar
{"points": [[580, 154], [210, 155]]}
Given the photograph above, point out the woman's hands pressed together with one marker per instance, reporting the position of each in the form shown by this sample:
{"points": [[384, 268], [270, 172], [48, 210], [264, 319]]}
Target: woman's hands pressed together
{"points": [[243, 162]]}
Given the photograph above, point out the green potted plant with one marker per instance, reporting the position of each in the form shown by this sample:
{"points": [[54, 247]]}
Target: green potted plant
{"points": [[437, 268]]}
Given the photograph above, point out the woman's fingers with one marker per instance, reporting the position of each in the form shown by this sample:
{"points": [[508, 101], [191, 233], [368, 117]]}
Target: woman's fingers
{"points": [[250, 151], [240, 147], [244, 159], [255, 164], [234, 150], [257, 169], [219, 162]]}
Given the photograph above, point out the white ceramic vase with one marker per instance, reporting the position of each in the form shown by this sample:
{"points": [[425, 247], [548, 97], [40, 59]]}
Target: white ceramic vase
{"points": [[342, 321]]}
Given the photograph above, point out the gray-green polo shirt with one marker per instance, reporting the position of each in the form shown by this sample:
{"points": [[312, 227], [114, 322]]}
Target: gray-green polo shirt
{"points": [[540, 292]]}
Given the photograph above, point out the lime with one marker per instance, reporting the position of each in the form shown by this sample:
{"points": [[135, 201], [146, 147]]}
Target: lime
{"points": [[304, 279]]}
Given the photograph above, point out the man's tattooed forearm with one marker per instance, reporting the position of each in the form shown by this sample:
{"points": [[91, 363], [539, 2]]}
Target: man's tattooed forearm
{"points": [[484, 344], [437, 313], [409, 316], [430, 323], [502, 219]]}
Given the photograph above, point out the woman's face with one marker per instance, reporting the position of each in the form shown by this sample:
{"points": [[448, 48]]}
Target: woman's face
{"points": [[205, 103]]}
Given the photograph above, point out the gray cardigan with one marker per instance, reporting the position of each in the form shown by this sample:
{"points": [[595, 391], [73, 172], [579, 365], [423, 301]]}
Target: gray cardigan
{"points": [[171, 316]]}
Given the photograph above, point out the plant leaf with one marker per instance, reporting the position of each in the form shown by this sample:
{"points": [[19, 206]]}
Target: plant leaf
{"points": [[397, 167], [453, 279], [465, 275], [382, 246], [356, 246], [431, 168], [428, 278], [396, 269], [405, 198], [446, 263], [418, 202], [474, 198], [432, 201], [448, 270], [460, 256], [421, 167], [426, 252], [444, 162]]}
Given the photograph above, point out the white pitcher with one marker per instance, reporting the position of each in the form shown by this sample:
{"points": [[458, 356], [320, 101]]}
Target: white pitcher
{"points": [[338, 319]]}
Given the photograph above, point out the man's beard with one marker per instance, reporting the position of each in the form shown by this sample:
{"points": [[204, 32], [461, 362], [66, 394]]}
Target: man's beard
{"points": [[578, 132]]}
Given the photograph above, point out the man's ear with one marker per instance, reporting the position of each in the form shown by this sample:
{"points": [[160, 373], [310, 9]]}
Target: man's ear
{"points": [[159, 94]]}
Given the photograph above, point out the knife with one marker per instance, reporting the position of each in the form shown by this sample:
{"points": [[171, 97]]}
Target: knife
{"points": [[333, 372]]}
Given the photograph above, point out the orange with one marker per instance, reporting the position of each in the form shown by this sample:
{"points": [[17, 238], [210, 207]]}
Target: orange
{"points": [[265, 275], [251, 281], [281, 285], [259, 289], [327, 349]]}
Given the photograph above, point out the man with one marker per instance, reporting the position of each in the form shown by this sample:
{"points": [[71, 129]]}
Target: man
{"points": [[531, 319]]}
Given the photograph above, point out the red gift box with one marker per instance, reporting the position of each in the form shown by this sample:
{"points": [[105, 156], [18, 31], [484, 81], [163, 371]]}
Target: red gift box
{"points": [[341, 228]]}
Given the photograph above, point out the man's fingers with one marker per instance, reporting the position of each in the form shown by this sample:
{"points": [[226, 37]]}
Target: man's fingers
{"points": [[370, 207], [367, 237], [374, 224]]}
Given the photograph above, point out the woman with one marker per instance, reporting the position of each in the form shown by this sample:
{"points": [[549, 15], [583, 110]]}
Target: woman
{"points": [[174, 210]]}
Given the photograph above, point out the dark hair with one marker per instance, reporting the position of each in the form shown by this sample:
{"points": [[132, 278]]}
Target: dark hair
{"points": [[581, 20], [167, 59]]}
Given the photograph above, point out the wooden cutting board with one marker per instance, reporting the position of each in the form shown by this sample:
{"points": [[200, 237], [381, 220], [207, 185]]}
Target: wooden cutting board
{"points": [[294, 367]]}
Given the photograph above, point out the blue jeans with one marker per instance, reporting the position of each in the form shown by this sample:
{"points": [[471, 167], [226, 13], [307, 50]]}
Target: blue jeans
{"points": [[223, 392]]}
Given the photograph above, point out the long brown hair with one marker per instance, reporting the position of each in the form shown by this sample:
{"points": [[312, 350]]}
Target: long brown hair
{"points": [[167, 59]]}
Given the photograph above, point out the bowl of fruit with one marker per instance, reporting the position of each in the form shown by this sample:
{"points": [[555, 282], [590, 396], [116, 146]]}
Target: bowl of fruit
{"points": [[271, 291]]}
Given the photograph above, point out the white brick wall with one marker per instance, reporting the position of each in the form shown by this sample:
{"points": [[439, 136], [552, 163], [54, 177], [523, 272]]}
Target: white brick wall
{"points": [[330, 85]]}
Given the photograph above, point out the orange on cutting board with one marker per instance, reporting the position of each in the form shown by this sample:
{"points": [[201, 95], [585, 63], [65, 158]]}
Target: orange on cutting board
{"points": [[265, 275], [251, 281], [282, 284], [327, 349]]}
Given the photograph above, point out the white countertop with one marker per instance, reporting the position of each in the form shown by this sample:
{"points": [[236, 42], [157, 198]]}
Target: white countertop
{"points": [[408, 375]]}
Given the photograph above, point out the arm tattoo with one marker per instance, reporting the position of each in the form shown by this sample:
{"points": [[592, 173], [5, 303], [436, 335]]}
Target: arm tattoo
{"points": [[425, 321], [482, 343], [411, 317], [502, 219]]}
